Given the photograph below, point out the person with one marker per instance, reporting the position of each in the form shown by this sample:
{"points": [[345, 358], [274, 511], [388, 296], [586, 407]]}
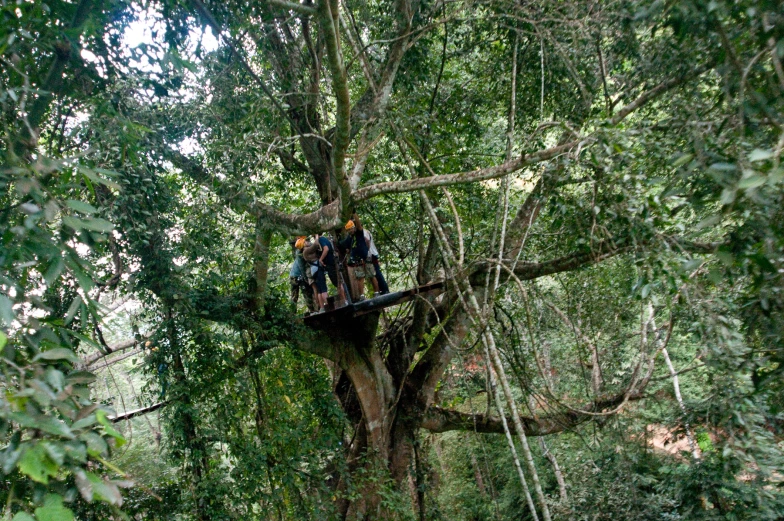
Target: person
{"points": [[381, 285], [298, 276], [320, 255], [357, 246]]}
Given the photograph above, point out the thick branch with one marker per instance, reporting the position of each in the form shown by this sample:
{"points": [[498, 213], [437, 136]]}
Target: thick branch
{"points": [[493, 172], [328, 17], [662, 87], [113, 361], [600, 251], [116, 348], [294, 6], [374, 101], [442, 420], [325, 218]]}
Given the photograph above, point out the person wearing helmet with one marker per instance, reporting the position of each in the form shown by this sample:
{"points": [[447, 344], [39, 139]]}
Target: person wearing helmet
{"points": [[357, 246], [320, 255], [379, 283], [298, 276]]}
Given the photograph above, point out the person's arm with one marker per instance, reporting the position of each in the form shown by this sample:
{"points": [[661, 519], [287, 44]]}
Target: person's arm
{"points": [[345, 243], [324, 253], [357, 223]]}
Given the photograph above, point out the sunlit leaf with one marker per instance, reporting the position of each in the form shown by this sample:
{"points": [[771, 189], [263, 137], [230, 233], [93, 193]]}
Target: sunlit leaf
{"points": [[81, 206], [53, 510]]}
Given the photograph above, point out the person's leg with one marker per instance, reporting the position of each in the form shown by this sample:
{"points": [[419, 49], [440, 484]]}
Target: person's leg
{"points": [[310, 300], [352, 282], [321, 288], [316, 297], [382, 283], [359, 273], [335, 279], [341, 291], [370, 273]]}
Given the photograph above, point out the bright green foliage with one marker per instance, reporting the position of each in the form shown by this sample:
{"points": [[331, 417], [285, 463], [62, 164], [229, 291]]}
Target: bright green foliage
{"points": [[53, 229]]}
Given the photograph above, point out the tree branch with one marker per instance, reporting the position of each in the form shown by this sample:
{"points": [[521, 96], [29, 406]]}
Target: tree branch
{"points": [[493, 172], [328, 17], [325, 218], [601, 251], [437, 419], [294, 6], [662, 87], [116, 348]]}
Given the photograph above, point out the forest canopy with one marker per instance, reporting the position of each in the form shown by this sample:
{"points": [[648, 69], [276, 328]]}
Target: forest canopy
{"points": [[591, 192]]}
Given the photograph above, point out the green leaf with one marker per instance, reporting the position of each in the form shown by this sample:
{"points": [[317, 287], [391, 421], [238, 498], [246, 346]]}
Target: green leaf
{"points": [[72, 222], [108, 428], [87, 421], [81, 206], [84, 279], [58, 353], [96, 224], [55, 379], [76, 450], [93, 176], [95, 443], [80, 377], [83, 484], [54, 270], [723, 167], [7, 315], [708, 222], [3, 339], [55, 451], [760, 155], [104, 491], [22, 516], [53, 509], [43, 423], [682, 160], [72, 309], [692, 264], [752, 181], [37, 465]]}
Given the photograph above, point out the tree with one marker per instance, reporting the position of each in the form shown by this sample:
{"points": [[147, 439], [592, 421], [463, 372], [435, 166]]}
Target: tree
{"points": [[642, 137]]}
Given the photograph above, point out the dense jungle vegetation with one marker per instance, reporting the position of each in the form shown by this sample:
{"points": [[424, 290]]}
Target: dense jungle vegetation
{"points": [[598, 185]]}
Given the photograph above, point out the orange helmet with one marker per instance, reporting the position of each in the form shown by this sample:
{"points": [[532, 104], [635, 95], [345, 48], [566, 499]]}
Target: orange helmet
{"points": [[300, 243], [349, 225]]}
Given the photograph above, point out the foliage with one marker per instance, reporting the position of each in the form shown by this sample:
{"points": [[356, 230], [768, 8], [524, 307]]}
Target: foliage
{"points": [[644, 189]]}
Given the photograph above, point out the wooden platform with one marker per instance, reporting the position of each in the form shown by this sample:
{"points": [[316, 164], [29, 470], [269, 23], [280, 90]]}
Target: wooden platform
{"points": [[334, 316]]}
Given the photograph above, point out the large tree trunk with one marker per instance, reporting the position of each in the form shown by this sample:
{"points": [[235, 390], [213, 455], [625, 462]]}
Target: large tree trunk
{"points": [[386, 420]]}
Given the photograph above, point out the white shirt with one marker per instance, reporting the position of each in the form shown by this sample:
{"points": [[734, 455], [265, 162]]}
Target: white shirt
{"points": [[371, 245]]}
